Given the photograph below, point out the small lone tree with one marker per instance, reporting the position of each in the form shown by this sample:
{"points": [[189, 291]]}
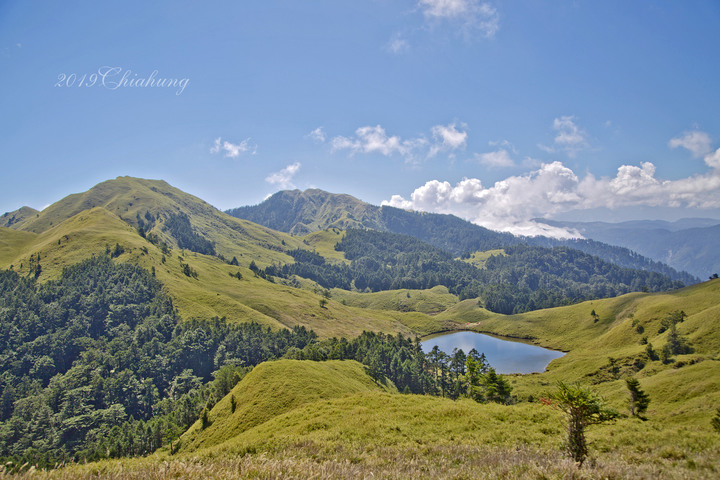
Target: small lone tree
{"points": [[204, 420], [639, 400], [583, 408]]}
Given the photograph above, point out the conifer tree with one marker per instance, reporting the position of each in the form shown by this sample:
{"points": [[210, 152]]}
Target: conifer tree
{"points": [[639, 400]]}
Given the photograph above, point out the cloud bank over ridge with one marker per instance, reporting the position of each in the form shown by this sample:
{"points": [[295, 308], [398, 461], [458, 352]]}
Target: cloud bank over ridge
{"points": [[511, 204]]}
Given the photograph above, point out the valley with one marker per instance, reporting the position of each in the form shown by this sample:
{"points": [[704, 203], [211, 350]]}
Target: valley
{"points": [[308, 406]]}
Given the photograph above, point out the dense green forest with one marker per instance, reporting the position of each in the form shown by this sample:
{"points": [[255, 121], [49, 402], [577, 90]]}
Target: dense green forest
{"points": [[525, 278], [98, 363], [459, 237], [403, 361], [178, 225]]}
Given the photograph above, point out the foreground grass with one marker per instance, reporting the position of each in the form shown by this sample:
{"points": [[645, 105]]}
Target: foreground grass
{"points": [[307, 461], [394, 436], [329, 420]]}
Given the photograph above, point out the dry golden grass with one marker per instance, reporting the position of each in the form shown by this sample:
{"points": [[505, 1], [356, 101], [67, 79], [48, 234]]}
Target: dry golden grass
{"points": [[309, 461]]}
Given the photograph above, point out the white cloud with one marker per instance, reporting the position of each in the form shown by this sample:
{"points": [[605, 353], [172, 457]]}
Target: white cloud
{"points": [[447, 138], [569, 137], [471, 15], [512, 203], [318, 135], [497, 159], [233, 150], [713, 159], [375, 140], [283, 178], [697, 142]]}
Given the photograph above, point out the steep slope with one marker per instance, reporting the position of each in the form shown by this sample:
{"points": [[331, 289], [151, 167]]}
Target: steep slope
{"points": [[201, 285], [274, 388], [13, 219], [688, 244], [300, 213]]}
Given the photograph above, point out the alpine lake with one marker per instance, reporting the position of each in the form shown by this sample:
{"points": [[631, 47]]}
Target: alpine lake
{"points": [[505, 356]]}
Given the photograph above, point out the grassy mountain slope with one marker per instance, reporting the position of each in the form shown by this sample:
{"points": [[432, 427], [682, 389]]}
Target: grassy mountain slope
{"points": [[274, 388], [298, 419], [431, 301], [301, 213], [66, 239], [8, 219], [130, 199], [694, 378]]}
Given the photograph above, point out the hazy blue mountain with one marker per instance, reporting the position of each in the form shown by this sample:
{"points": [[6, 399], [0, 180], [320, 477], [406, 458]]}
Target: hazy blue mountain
{"points": [[689, 244]]}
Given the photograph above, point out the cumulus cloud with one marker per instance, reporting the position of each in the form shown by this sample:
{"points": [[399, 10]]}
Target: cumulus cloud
{"points": [[511, 204], [375, 140], [233, 150], [713, 159], [283, 178], [470, 15], [697, 142]]}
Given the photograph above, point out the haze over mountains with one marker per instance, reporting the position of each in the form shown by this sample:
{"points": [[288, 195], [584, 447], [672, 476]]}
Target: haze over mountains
{"points": [[689, 244]]}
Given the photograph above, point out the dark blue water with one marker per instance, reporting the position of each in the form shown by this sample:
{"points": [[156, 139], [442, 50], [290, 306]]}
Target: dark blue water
{"points": [[503, 355]]}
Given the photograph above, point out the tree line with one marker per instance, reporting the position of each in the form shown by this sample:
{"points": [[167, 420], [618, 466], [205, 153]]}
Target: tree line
{"points": [[522, 279], [98, 363], [403, 361]]}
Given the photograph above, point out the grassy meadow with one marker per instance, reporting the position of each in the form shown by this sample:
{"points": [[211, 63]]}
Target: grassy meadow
{"points": [[302, 419]]}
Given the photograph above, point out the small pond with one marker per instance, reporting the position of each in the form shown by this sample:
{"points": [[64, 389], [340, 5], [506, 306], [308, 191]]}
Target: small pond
{"points": [[504, 356]]}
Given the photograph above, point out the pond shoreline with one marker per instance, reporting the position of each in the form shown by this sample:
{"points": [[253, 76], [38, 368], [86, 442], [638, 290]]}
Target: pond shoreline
{"points": [[528, 340], [508, 355]]}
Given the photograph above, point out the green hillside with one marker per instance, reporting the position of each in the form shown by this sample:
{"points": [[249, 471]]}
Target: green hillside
{"points": [[8, 219], [272, 389], [302, 418], [305, 212], [314, 210], [66, 238], [296, 418]]}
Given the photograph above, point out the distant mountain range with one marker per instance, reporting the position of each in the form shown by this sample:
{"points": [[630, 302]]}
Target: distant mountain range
{"points": [[302, 212], [691, 244], [192, 248]]}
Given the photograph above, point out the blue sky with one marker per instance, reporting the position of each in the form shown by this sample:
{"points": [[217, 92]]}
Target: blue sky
{"points": [[496, 111]]}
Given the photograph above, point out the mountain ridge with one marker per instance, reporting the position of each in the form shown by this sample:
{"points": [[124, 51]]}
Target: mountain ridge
{"points": [[687, 244], [295, 210]]}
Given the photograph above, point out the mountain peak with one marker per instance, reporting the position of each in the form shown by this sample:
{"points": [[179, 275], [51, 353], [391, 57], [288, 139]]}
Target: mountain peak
{"points": [[16, 218], [302, 212]]}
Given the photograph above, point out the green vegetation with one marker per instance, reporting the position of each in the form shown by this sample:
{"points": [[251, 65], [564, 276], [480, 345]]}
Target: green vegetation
{"points": [[313, 210], [639, 400], [292, 383], [178, 225], [583, 408], [96, 364], [524, 278], [137, 376]]}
